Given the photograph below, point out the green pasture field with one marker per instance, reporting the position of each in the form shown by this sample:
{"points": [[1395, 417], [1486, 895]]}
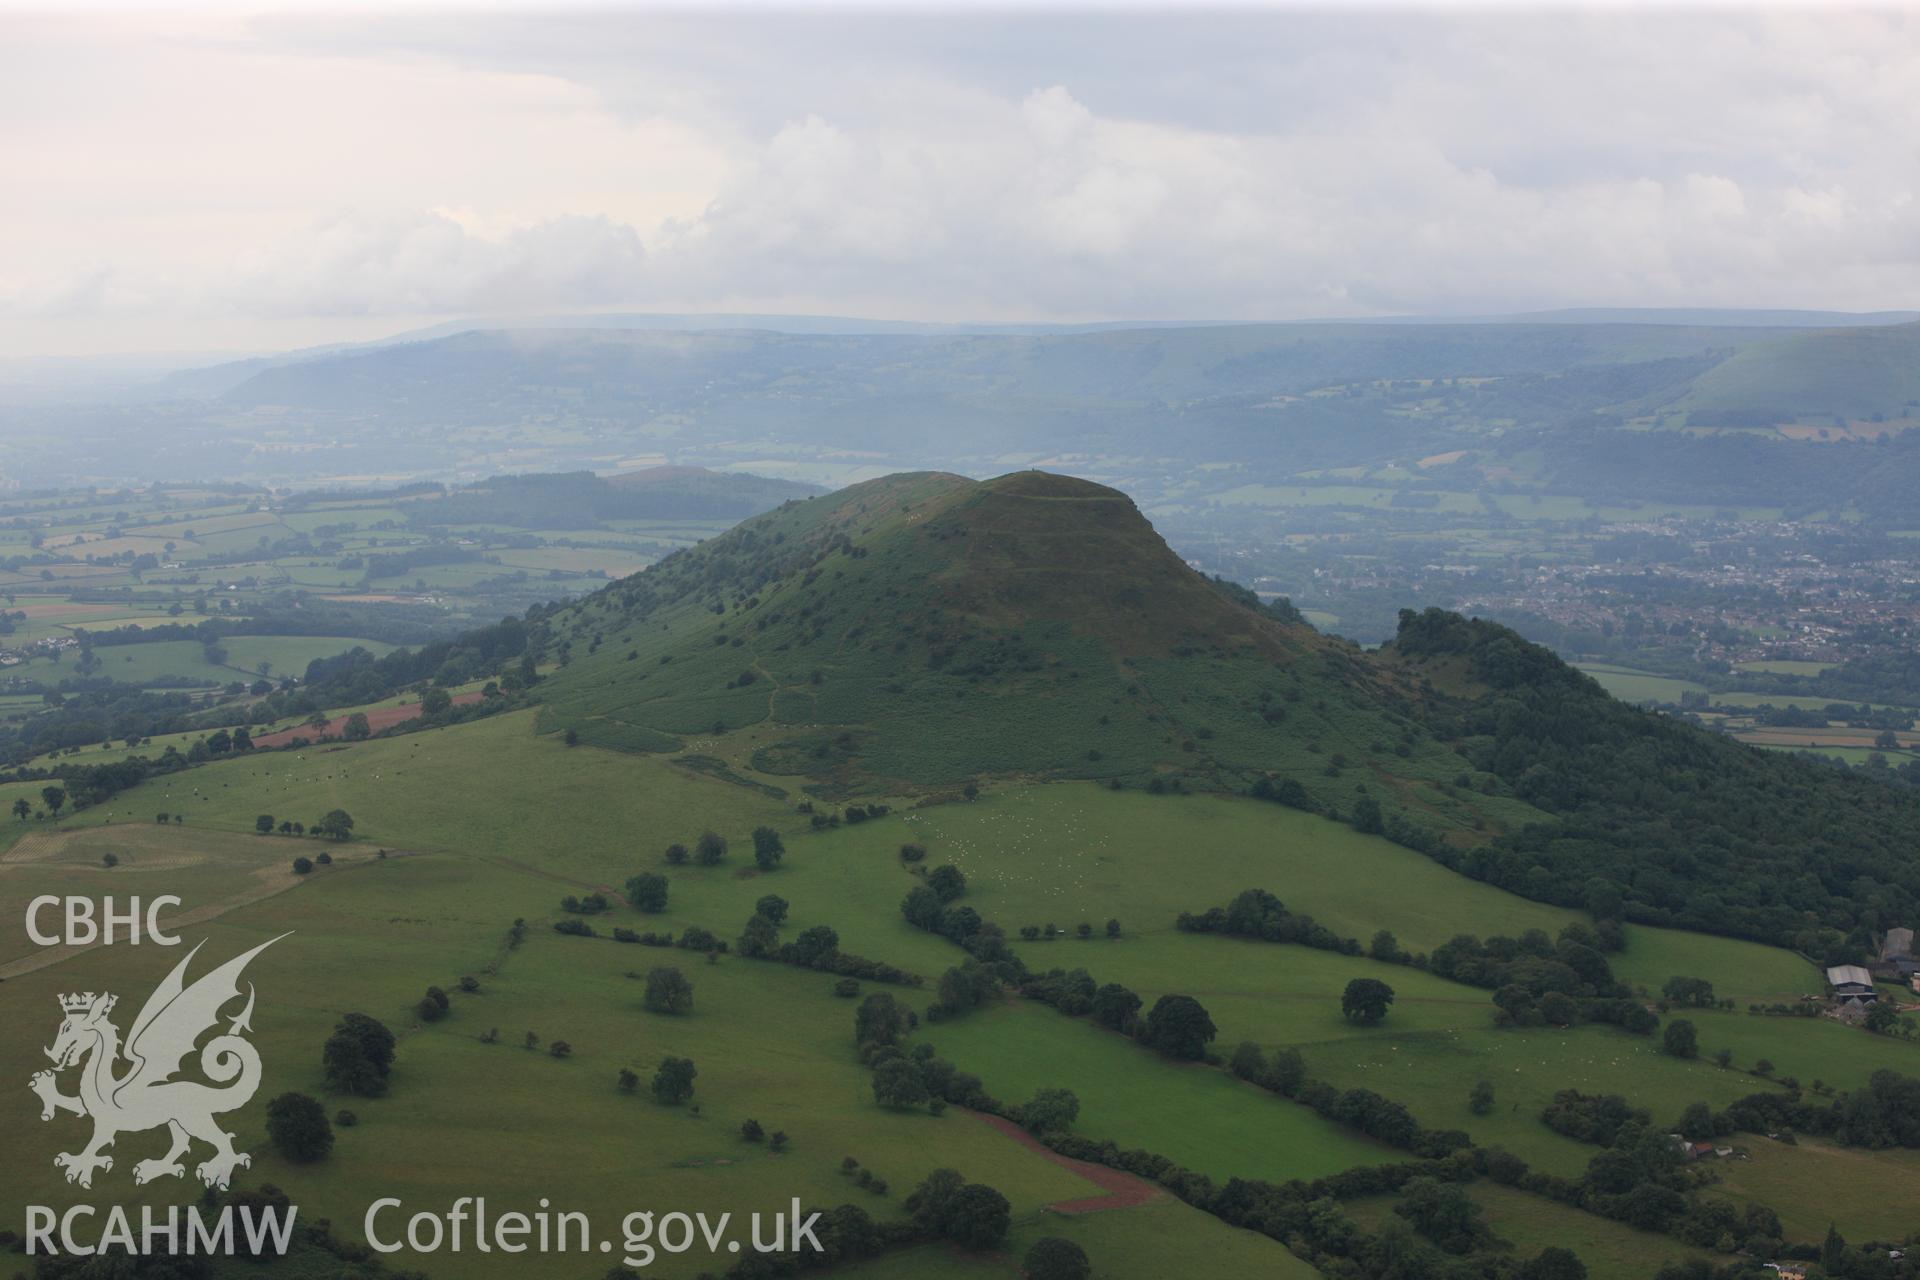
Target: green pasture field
{"points": [[1852, 755], [133, 664], [581, 560], [94, 753], [1159, 1238], [1611, 1250], [1854, 1186], [1067, 852], [1437, 1042], [160, 660], [487, 787], [1740, 970], [1197, 1116], [1432, 1071], [770, 1043], [1630, 685], [289, 655], [365, 515], [1805, 703], [200, 867], [1806, 1049], [303, 572], [155, 617], [1785, 667]]}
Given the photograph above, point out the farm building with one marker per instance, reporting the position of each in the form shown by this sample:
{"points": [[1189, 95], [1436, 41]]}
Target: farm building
{"points": [[1850, 981], [1898, 945]]}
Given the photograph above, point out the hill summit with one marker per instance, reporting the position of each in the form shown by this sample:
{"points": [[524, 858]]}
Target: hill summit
{"points": [[925, 630]]}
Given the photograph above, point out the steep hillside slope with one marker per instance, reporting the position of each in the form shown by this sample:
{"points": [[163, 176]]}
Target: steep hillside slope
{"points": [[926, 630]]}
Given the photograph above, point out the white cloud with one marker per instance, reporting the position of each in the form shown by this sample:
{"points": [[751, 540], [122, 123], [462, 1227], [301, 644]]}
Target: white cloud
{"points": [[329, 178], [437, 263]]}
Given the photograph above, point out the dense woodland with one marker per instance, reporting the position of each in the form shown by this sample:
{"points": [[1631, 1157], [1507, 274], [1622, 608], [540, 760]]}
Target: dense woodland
{"points": [[1660, 822]]}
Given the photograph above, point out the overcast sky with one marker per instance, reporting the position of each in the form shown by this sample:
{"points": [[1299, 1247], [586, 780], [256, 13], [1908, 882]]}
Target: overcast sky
{"points": [[219, 181]]}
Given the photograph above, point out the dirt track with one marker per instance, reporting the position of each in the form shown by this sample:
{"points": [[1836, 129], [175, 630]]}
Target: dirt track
{"points": [[1123, 1190]]}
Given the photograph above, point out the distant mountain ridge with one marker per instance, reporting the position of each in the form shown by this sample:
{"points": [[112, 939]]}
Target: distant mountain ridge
{"points": [[218, 378], [1614, 408]]}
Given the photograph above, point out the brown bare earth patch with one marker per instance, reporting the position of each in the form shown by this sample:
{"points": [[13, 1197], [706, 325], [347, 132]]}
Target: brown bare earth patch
{"points": [[377, 719], [1123, 1190]]}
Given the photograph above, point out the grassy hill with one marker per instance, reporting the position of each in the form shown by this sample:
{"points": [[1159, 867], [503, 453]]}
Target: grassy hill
{"points": [[1820, 374], [926, 630]]}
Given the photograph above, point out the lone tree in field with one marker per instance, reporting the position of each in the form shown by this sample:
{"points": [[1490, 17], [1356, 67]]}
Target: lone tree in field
{"points": [[647, 892], [668, 991], [767, 848], [1178, 1027], [298, 1126], [673, 1082], [1680, 1039], [773, 907], [357, 728], [433, 1005], [302, 865], [264, 824], [709, 849], [676, 854], [1480, 1100], [1366, 1001], [21, 808], [358, 1056], [336, 825], [55, 797], [1052, 1258]]}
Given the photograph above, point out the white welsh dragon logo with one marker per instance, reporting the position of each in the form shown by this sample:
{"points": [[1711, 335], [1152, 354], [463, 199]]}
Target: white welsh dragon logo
{"points": [[146, 1095]]}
